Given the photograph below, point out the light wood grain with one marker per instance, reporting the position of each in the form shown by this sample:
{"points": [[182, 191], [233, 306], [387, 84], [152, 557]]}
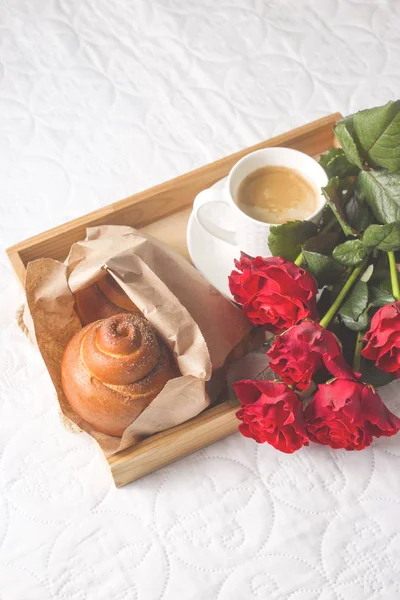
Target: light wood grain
{"points": [[18, 266], [164, 448], [163, 212], [163, 200], [172, 231]]}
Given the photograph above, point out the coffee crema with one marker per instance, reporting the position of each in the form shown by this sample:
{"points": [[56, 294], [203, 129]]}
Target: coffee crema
{"points": [[277, 195]]}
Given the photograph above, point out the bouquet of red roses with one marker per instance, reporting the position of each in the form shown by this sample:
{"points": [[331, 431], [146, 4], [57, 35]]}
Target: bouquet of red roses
{"points": [[330, 294]]}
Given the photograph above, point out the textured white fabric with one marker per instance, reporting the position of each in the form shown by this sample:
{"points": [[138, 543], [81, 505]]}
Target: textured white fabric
{"points": [[102, 98]]}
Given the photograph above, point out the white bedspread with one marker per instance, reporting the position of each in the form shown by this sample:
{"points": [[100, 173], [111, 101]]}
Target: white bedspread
{"points": [[102, 98]]}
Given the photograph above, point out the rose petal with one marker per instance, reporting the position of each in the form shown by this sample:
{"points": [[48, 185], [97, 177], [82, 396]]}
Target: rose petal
{"points": [[271, 412], [274, 292], [348, 414]]}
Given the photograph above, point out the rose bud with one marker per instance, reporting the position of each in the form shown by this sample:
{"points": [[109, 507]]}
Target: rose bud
{"points": [[271, 412], [383, 339], [348, 414], [273, 292], [298, 353]]}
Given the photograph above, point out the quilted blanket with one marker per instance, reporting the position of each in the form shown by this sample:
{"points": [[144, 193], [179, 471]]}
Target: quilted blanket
{"points": [[102, 98]]}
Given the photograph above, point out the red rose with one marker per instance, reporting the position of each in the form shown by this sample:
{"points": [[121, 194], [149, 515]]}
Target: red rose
{"points": [[383, 339], [302, 350], [348, 414], [273, 292], [271, 412]]}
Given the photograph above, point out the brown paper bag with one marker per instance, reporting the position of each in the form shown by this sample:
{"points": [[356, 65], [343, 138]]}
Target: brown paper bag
{"points": [[199, 325]]}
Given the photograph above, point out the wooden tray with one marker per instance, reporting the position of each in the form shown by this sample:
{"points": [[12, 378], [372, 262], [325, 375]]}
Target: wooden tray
{"points": [[163, 211]]}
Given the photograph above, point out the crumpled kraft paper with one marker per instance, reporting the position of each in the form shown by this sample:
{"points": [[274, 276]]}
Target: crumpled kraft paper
{"points": [[201, 327]]}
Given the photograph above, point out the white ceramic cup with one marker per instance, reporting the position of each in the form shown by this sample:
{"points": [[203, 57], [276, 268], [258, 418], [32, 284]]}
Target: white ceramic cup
{"points": [[233, 225]]}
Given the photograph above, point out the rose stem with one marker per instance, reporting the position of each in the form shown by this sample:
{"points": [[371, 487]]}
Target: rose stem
{"points": [[393, 276], [357, 352], [327, 318]]}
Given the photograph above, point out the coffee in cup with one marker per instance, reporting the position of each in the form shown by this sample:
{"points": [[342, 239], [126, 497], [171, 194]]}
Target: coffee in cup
{"points": [[272, 179], [276, 194]]}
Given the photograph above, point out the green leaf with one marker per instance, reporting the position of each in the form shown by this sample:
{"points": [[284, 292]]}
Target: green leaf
{"points": [[350, 253], [356, 302], [345, 135], [377, 131], [323, 243], [331, 193], [373, 375], [383, 237], [286, 240], [335, 163], [357, 212], [353, 311], [381, 190], [379, 297], [382, 282], [381, 278], [359, 324], [325, 270], [326, 217], [381, 275]]}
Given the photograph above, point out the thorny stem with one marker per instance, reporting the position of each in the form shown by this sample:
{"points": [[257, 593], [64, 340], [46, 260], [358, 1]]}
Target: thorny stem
{"points": [[327, 318], [393, 276]]}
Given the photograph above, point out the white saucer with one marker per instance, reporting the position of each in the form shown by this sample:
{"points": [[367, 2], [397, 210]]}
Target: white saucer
{"points": [[213, 257]]}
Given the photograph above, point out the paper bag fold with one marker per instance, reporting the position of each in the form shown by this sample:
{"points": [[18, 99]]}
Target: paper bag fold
{"points": [[199, 325]]}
